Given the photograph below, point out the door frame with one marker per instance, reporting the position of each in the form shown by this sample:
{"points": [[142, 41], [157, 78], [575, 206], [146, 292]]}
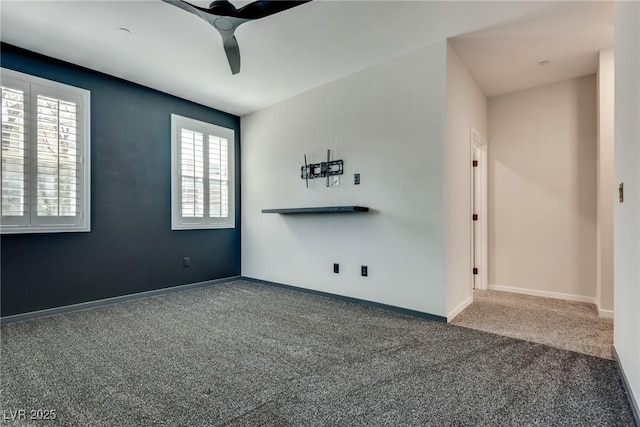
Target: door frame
{"points": [[479, 250]]}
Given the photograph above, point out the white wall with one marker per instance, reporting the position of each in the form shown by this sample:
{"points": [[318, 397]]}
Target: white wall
{"points": [[627, 215], [605, 187], [466, 108], [387, 123], [542, 190]]}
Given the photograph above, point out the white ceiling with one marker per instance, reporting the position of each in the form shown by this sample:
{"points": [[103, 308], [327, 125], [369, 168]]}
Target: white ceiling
{"points": [[307, 46], [505, 58]]}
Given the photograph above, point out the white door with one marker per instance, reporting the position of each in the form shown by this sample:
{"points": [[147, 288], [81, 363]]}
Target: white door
{"points": [[479, 220]]}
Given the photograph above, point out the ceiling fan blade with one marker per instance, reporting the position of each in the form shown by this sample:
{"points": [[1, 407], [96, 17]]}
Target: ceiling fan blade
{"points": [[222, 8], [187, 7], [233, 53], [225, 18], [261, 8]]}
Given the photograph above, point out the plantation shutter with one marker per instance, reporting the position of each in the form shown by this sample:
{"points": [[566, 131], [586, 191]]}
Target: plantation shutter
{"points": [[15, 152], [44, 142], [218, 177], [201, 175], [58, 157], [192, 173]]}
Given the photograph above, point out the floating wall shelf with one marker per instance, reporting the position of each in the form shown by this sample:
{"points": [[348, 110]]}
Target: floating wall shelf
{"points": [[318, 210]]}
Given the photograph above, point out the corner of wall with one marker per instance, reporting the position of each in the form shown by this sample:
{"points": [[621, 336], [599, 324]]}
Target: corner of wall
{"points": [[605, 180], [466, 108], [627, 214]]}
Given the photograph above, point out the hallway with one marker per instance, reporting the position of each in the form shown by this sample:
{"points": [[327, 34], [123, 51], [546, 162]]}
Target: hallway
{"points": [[568, 325]]}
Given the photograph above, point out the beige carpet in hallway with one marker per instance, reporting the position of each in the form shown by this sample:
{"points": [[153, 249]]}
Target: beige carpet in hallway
{"points": [[568, 325]]}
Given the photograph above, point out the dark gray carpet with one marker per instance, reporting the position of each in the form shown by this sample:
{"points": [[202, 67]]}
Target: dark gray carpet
{"points": [[243, 354]]}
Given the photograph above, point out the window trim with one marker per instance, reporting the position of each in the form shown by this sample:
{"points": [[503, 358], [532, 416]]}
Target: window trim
{"points": [[84, 141], [177, 221]]}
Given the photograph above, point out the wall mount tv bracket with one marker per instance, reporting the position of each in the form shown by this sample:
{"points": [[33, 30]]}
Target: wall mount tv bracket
{"points": [[322, 169]]}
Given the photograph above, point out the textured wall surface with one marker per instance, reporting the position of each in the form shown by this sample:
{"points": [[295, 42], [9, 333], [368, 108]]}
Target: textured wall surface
{"points": [[386, 123], [626, 264], [542, 189], [466, 109], [131, 247]]}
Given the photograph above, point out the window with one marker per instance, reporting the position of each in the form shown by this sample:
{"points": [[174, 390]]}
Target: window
{"points": [[45, 155], [202, 190]]}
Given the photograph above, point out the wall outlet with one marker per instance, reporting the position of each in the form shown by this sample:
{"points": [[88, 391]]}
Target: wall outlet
{"points": [[356, 179], [336, 268], [364, 271], [186, 262]]}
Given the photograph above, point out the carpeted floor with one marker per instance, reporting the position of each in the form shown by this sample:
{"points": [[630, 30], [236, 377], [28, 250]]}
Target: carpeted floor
{"points": [[243, 354], [569, 325]]}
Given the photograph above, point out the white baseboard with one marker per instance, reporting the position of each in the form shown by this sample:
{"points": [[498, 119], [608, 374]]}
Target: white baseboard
{"points": [[453, 313], [545, 294], [606, 314]]}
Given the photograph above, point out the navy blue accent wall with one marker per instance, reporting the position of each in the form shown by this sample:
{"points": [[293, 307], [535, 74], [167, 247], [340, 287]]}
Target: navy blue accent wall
{"points": [[131, 247]]}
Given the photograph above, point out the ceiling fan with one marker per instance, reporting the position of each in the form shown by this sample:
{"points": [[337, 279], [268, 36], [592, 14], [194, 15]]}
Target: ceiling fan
{"points": [[226, 18]]}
